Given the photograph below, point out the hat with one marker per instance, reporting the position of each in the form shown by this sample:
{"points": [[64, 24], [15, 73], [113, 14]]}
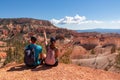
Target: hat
{"points": [[52, 39]]}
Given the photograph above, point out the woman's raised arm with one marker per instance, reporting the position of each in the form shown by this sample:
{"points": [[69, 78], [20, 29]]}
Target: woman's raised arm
{"points": [[45, 37]]}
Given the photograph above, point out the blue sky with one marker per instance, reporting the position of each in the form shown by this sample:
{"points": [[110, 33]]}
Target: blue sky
{"points": [[71, 14]]}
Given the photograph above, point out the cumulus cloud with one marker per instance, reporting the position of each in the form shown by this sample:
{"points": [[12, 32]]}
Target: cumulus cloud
{"points": [[81, 22], [74, 20], [116, 21]]}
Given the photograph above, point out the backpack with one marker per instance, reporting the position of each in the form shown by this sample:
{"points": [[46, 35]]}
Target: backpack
{"points": [[29, 56]]}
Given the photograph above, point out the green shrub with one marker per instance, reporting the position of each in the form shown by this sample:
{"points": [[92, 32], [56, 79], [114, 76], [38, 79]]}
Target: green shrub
{"points": [[113, 49], [118, 59], [16, 53], [118, 49], [92, 51], [65, 58], [9, 57]]}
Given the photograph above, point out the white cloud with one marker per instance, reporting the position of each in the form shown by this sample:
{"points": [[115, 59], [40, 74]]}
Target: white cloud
{"points": [[74, 20], [91, 25], [116, 21], [81, 22]]}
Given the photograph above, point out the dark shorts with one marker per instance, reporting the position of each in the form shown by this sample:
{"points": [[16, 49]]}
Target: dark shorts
{"points": [[35, 65]]}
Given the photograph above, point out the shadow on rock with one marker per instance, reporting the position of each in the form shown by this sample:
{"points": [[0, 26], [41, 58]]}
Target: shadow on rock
{"points": [[24, 67], [42, 67], [18, 68]]}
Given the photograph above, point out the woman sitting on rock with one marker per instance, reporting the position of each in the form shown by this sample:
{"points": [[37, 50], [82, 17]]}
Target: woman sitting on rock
{"points": [[51, 51]]}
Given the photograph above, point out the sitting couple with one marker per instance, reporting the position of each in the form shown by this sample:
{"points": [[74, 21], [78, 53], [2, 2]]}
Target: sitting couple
{"points": [[49, 59]]}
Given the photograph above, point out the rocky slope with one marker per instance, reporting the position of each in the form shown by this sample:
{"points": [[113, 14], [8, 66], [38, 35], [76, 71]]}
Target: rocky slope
{"points": [[23, 28], [61, 72], [84, 46]]}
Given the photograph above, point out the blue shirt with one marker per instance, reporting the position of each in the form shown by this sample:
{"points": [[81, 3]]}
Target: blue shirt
{"points": [[38, 51]]}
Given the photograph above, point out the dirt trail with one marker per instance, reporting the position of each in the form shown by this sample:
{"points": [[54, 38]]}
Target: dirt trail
{"points": [[61, 72]]}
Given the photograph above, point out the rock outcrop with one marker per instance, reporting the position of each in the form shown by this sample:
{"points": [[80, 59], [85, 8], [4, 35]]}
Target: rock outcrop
{"points": [[61, 72]]}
